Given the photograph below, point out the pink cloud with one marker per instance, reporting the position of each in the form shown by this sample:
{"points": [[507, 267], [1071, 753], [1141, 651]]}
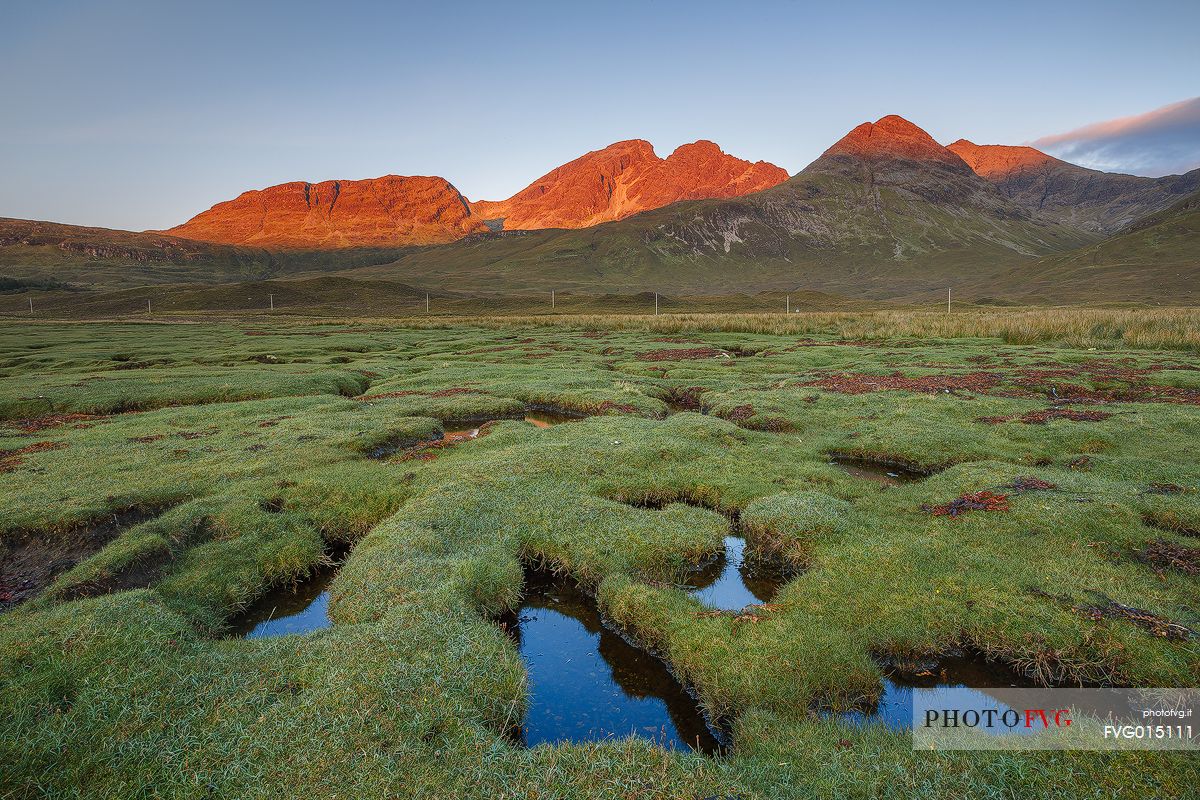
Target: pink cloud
{"points": [[1160, 142]]}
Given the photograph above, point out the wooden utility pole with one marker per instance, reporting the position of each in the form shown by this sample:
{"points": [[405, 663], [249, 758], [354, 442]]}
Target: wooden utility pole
{"points": [[147, 306], [656, 304], [947, 300], [31, 304], [789, 304], [551, 298], [272, 296], [427, 302]]}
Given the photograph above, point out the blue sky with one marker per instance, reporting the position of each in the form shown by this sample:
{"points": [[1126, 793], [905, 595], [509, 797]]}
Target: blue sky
{"points": [[138, 114]]}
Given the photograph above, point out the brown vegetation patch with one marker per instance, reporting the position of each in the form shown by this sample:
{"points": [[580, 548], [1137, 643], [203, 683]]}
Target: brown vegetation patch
{"points": [[1159, 626], [11, 459], [1164, 554], [1171, 521], [38, 424], [153, 437], [740, 413], [684, 398], [609, 405], [858, 383], [1042, 416], [683, 354], [985, 500], [211, 431], [1028, 483], [1165, 488]]}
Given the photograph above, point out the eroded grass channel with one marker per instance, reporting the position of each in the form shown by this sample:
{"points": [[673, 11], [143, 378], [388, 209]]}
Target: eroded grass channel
{"points": [[587, 683]]}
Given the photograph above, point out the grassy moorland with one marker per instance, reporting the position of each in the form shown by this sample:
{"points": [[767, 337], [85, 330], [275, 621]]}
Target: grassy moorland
{"points": [[159, 478]]}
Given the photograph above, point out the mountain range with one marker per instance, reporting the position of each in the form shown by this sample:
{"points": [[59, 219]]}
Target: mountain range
{"points": [[885, 212], [605, 185]]}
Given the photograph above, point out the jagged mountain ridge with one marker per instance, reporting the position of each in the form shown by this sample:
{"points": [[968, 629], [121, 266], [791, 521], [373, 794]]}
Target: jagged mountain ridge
{"points": [[624, 178]]}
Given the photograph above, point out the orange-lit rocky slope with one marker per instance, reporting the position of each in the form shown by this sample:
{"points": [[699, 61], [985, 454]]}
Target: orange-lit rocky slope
{"points": [[627, 178], [892, 137], [388, 211], [609, 184]]}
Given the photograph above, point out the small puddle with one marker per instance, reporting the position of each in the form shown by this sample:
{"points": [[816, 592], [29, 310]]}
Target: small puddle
{"points": [[730, 582], [964, 679], [883, 474], [545, 418], [586, 683], [292, 608], [459, 431]]}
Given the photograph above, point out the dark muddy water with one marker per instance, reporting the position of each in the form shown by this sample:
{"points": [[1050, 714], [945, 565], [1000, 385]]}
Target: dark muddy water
{"points": [[586, 683], [883, 474], [961, 680], [731, 582], [290, 609]]}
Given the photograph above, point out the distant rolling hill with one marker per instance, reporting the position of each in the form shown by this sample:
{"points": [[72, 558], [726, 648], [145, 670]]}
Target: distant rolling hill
{"points": [[1154, 260], [33, 252]]}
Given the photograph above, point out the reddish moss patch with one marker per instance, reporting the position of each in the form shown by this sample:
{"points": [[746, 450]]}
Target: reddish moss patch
{"points": [[740, 413], [1043, 416], [858, 383], [38, 424], [985, 500], [681, 354], [11, 459]]}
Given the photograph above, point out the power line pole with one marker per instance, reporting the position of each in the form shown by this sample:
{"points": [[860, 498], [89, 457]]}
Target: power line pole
{"points": [[272, 296], [427, 302], [947, 300], [789, 304], [147, 306], [656, 304], [551, 299], [31, 304]]}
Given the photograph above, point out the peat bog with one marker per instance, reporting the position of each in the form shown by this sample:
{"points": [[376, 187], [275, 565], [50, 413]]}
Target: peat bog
{"points": [[1063, 545]]}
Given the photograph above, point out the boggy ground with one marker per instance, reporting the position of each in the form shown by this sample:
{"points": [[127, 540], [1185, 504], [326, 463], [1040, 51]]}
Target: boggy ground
{"points": [[172, 474]]}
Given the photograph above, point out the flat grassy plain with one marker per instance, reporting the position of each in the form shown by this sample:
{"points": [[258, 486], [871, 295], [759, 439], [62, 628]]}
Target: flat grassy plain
{"points": [[158, 478]]}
